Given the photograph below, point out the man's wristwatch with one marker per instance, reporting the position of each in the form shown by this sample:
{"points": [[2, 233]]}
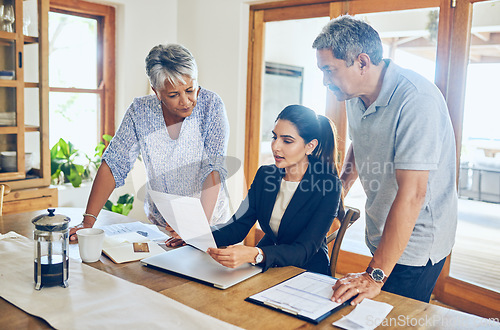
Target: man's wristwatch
{"points": [[377, 274], [259, 258]]}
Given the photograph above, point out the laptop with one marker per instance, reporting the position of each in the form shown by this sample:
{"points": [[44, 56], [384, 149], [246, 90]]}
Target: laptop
{"points": [[187, 218], [195, 264]]}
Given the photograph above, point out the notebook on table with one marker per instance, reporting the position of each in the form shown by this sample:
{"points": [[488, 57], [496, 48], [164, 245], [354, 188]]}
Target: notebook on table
{"points": [[186, 216]]}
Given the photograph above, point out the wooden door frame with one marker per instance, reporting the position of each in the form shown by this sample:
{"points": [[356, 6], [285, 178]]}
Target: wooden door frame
{"points": [[452, 291], [453, 33]]}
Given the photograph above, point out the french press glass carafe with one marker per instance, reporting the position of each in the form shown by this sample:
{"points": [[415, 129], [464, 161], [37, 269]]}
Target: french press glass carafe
{"points": [[51, 246]]}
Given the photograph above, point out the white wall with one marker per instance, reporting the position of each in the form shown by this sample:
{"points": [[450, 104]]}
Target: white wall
{"points": [[296, 37], [140, 25], [215, 31]]}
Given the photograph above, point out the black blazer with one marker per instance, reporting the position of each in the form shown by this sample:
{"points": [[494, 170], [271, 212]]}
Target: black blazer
{"points": [[301, 239]]}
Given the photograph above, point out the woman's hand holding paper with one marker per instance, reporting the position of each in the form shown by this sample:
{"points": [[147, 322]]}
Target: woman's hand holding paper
{"points": [[234, 255], [175, 239]]}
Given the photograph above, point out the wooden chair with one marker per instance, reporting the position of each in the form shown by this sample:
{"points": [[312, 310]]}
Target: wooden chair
{"points": [[346, 217], [4, 190]]}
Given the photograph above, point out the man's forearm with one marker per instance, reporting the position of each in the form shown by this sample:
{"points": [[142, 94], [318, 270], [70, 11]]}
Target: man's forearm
{"points": [[401, 219]]}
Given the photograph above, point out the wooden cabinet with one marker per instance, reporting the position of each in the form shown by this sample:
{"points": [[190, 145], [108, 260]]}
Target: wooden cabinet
{"points": [[24, 92]]}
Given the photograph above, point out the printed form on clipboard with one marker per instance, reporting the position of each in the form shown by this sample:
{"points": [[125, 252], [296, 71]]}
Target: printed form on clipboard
{"points": [[306, 296]]}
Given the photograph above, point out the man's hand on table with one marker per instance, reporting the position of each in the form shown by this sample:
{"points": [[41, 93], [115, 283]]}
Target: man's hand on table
{"points": [[360, 284]]}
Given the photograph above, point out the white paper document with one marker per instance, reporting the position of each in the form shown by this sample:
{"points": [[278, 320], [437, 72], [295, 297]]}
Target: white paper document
{"points": [[149, 231], [307, 295], [187, 217], [129, 246], [369, 314]]}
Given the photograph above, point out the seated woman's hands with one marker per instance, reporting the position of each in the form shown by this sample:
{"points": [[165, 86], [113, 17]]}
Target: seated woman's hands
{"points": [[233, 255], [175, 239]]}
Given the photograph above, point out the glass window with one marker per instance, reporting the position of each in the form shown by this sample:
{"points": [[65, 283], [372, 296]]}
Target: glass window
{"points": [[75, 118], [74, 66], [73, 51], [291, 74], [477, 250]]}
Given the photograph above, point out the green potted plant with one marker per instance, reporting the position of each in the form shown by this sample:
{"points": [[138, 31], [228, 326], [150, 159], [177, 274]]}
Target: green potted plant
{"points": [[63, 167], [123, 206], [62, 164], [99, 149]]}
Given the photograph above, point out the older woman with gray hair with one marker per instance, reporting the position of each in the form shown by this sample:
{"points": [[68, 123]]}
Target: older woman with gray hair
{"points": [[181, 133]]}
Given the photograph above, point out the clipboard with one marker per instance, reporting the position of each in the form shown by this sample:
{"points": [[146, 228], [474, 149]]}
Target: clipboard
{"points": [[305, 296]]}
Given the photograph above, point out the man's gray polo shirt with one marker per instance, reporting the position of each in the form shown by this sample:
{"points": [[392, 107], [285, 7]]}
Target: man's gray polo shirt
{"points": [[408, 128]]}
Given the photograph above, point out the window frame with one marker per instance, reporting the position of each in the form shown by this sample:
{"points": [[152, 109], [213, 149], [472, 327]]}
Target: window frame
{"points": [[105, 16]]}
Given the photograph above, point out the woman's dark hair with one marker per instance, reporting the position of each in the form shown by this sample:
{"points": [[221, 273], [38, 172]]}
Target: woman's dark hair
{"points": [[311, 126]]}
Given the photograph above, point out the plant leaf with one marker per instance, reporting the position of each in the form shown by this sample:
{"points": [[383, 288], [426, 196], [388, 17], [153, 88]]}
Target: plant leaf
{"points": [[126, 209], [123, 199], [70, 171], [55, 174], [117, 208], [80, 169], [64, 148], [108, 206]]}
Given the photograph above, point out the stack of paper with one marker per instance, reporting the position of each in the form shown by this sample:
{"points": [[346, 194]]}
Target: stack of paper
{"points": [[132, 241], [369, 314], [129, 247]]}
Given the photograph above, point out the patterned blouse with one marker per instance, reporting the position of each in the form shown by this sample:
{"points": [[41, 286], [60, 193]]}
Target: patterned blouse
{"points": [[177, 166]]}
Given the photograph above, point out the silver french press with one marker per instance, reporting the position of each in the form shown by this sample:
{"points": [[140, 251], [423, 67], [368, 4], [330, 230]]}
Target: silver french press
{"points": [[51, 249]]}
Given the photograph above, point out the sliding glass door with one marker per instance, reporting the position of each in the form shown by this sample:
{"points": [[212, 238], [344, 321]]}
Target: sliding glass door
{"points": [[431, 37]]}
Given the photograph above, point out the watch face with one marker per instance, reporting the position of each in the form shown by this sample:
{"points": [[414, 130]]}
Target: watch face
{"points": [[378, 275], [259, 258]]}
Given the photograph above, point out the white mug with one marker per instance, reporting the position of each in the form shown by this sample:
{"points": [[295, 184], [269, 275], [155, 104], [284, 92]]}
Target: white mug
{"points": [[90, 243]]}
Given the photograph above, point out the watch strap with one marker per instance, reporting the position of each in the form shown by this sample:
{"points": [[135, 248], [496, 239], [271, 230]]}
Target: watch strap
{"points": [[259, 257], [370, 271]]}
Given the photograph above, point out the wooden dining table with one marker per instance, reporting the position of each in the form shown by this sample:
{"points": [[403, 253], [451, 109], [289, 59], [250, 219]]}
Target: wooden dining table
{"points": [[228, 305]]}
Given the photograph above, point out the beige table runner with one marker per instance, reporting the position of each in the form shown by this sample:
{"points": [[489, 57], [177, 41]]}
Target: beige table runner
{"points": [[94, 299]]}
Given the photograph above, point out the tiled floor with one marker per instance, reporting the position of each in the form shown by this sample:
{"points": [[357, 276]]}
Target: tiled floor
{"points": [[476, 254]]}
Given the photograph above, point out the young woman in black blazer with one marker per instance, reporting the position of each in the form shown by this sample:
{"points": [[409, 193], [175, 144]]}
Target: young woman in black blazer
{"points": [[295, 200]]}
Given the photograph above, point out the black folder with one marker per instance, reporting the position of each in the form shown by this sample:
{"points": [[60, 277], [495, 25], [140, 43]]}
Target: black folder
{"points": [[305, 296]]}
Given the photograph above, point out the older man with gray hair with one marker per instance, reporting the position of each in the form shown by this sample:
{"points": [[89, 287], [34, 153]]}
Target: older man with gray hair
{"points": [[403, 151]]}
